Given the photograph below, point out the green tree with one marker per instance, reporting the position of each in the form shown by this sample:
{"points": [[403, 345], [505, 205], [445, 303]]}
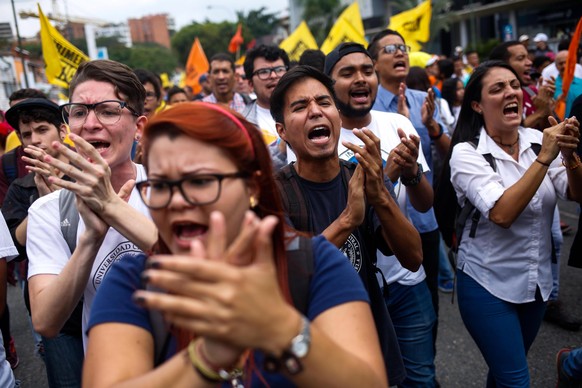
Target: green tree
{"points": [[320, 15], [115, 48], [214, 38], [258, 22], [152, 57]]}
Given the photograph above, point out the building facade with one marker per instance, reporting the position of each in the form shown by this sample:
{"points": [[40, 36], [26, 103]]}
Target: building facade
{"points": [[151, 29]]}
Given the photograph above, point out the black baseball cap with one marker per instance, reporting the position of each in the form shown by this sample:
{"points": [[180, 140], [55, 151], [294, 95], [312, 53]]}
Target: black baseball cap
{"points": [[13, 114], [341, 51]]}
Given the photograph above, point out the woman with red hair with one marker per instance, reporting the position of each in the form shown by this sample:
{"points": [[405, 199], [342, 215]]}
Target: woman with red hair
{"points": [[219, 275]]}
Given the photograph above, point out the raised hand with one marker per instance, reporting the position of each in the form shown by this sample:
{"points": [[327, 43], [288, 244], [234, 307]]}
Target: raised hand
{"points": [[402, 105], [428, 107], [560, 137], [241, 306], [406, 153], [42, 171], [91, 174], [369, 157]]}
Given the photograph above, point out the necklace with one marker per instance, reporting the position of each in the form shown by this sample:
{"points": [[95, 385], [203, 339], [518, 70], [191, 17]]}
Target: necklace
{"points": [[511, 146]]}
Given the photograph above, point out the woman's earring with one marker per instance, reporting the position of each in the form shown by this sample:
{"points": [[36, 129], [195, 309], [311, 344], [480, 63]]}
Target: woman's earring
{"points": [[253, 202]]}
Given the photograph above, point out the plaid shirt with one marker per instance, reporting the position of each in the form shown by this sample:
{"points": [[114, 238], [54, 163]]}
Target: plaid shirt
{"points": [[237, 103]]}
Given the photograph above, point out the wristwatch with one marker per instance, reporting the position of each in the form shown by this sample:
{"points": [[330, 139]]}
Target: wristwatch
{"points": [[291, 358], [413, 181], [300, 344]]}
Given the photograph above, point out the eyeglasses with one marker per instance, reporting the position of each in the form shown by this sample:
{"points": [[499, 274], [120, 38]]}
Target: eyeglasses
{"points": [[391, 48], [197, 190], [265, 73], [151, 96], [108, 112]]}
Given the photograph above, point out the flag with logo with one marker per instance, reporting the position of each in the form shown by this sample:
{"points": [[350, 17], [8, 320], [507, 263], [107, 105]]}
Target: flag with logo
{"points": [[60, 57], [413, 25], [300, 40], [347, 28], [196, 66]]}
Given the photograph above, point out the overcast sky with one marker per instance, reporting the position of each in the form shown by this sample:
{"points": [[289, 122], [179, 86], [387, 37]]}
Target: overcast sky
{"points": [[115, 11]]}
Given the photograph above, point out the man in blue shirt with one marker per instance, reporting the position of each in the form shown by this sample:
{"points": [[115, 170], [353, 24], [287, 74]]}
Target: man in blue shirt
{"points": [[390, 55]]}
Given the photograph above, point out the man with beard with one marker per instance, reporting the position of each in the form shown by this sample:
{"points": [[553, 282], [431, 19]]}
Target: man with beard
{"points": [[408, 298], [222, 79], [350, 205]]}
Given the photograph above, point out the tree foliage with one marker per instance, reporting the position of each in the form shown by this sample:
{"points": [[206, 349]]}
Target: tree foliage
{"points": [[320, 16], [258, 22], [214, 38]]}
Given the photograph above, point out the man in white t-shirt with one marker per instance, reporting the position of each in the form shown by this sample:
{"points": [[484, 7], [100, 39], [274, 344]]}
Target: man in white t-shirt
{"points": [[106, 109], [264, 66], [409, 300]]}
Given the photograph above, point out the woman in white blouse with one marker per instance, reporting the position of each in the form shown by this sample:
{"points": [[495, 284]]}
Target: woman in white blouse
{"points": [[504, 275]]}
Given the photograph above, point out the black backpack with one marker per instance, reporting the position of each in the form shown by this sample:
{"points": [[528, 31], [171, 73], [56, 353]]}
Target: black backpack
{"points": [[295, 205]]}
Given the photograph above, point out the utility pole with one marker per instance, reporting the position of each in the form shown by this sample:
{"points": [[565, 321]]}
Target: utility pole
{"points": [[20, 51]]}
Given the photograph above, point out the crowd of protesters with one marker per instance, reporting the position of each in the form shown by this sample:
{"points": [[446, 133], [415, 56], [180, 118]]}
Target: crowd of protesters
{"points": [[293, 223]]}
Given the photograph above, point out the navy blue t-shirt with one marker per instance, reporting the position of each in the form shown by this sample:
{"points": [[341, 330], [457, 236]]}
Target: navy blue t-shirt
{"points": [[334, 282]]}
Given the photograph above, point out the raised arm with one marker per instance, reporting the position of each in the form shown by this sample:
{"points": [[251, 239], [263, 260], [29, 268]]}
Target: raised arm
{"points": [[233, 308], [92, 183], [352, 216], [400, 235], [403, 163], [57, 288]]}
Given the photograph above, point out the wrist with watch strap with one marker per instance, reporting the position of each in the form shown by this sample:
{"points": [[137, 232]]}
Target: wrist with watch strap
{"points": [[290, 359], [414, 180]]}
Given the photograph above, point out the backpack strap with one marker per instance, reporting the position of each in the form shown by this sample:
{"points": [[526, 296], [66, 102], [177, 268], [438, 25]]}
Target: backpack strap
{"points": [[69, 218], [469, 207], [294, 202], [300, 267]]}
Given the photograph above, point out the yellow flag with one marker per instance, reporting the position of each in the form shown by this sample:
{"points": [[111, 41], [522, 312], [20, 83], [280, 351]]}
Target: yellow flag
{"points": [[61, 58], [300, 40], [347, 28], [414, 25]]}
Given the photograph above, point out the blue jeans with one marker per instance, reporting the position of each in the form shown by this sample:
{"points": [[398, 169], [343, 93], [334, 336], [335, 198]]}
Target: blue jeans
{"points": [[558, 241], [573, 364], [63, 357], [503, 331], [445, 271], [414, 318]]}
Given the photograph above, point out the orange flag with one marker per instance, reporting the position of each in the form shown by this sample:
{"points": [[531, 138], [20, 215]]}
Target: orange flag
{"points": [[236, 40], [569, 71], [196, 66]]}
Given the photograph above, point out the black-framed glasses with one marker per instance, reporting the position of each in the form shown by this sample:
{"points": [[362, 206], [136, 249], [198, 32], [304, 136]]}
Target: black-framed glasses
{"points": [[108, 112], [265, 73], [197, 190], [391, 48]]}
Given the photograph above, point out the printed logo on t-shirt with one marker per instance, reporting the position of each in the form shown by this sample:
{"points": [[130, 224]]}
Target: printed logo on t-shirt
{"points": [[349, 156], [352, 250], [122, 249]]}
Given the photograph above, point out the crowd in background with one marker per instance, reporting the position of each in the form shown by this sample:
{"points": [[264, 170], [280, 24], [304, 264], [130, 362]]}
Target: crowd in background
{"points": [[379, 157]]}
